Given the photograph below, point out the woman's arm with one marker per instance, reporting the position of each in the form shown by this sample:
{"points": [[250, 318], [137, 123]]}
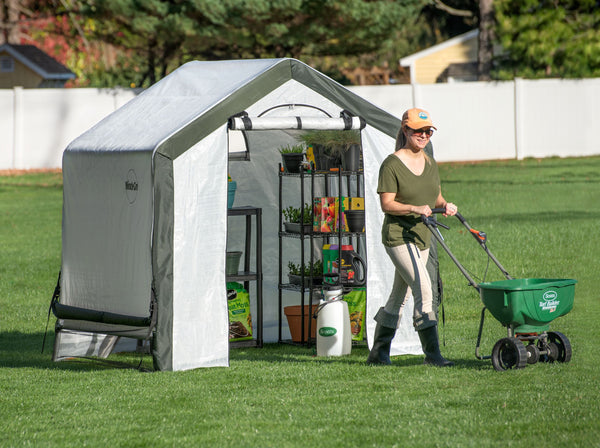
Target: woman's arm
{"points": [[390, 206]]}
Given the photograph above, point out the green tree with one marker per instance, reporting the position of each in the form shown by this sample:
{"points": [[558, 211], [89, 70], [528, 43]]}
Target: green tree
{"points": [[542, 39], [158, 35]]}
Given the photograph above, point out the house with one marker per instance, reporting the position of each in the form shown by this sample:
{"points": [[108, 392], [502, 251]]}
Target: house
{"points": [[452, 60], [28, 66]]}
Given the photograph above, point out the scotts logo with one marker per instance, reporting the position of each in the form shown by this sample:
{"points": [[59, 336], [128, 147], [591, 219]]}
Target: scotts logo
{"points": [[327, 331], [550, 301], [423, 116], [131, 186]]}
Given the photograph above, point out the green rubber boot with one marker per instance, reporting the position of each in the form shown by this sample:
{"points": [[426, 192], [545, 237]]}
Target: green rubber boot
{"points": [[431, 347]]}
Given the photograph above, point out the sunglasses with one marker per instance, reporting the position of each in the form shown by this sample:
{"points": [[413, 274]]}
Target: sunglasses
{"points": [[425, 131]]}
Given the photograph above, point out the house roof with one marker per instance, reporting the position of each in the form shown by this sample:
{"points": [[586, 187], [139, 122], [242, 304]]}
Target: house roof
{"points": [[38, 61], [408, 60], [411, 60]]}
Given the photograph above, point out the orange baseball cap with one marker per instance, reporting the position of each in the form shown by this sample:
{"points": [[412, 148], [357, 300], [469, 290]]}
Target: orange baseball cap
{"points": [[417, 119]]}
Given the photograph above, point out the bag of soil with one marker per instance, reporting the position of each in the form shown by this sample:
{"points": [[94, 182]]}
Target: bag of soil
{"points": [[357, 305], [240, 319]]}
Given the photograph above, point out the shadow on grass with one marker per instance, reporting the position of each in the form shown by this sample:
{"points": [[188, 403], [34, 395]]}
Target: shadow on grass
{"points": [[24, 350], [282, 353]]}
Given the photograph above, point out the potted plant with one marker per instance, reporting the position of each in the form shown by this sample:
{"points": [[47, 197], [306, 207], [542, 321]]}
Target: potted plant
{"points": [[334, 148], [293, 217], [295, 274], [292, 157]]}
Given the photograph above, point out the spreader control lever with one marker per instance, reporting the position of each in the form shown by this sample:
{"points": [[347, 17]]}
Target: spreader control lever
{"points": [[479, 235]]}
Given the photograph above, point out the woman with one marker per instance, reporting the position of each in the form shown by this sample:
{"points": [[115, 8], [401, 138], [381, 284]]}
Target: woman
{"points": [[409, 186]]}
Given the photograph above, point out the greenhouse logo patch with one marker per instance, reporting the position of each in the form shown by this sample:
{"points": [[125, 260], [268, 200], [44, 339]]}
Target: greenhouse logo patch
{"points": [[131, 186]]}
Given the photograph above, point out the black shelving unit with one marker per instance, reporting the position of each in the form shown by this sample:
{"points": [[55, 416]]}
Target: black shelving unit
{"points": [[246, 276], [355, 237]]}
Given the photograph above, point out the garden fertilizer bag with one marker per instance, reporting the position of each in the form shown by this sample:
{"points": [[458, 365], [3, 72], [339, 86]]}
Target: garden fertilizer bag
{"points": [[240, 319], [357, 304]]}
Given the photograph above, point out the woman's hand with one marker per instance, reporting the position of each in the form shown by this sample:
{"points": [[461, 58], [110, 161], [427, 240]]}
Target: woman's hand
{"points": [[422, 210], [451, 209]]}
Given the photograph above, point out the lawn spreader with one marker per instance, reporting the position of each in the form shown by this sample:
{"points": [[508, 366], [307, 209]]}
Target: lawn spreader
{"points": [[524, 306]]}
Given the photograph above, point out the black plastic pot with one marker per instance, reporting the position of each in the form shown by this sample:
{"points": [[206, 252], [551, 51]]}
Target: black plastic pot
{"points": [[324, 161], [355, 220], [351, 158], [292, 161]]}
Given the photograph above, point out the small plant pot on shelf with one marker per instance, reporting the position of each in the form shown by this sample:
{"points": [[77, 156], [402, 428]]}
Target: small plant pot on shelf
{"points": [[351, 158], [323, 160], [292, 161], [232, 262], [355, 220], [294, 318], [296, 279], [294, 227], [231, 187]]}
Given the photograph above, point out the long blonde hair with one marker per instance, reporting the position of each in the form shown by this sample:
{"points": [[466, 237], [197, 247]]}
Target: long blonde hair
{"points": [[401, 142]]}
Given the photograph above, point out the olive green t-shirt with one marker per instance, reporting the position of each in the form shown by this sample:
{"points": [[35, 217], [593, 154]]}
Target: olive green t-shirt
{"points": [[395, 177]]}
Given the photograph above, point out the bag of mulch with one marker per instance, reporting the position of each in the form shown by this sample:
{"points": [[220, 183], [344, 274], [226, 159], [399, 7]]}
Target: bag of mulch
{"points": [[240, 319]]}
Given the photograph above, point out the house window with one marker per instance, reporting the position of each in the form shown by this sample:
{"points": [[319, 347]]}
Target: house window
{"points": [[7, 64]]}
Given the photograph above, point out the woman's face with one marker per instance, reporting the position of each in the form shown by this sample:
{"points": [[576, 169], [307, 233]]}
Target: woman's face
{"points": [[418, 138]]}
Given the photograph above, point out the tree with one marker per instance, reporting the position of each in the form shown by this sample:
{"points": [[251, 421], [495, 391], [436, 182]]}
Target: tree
{"points": [[159, 35], [486, 36], [478, 14], [9, 21], [540, 39]]}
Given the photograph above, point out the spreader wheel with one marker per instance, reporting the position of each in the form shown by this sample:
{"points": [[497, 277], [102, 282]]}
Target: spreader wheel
{"points": [[509, 353], [533, 354], [560, 347]]}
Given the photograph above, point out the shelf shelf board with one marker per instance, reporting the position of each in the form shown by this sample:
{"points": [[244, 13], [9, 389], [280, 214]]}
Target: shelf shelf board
{"points": [[241, 276], [320, 234], [293, 287], [320, 173]]}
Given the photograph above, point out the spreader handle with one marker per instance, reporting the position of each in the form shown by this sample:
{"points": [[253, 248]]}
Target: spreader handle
{"points": [[438, 210]]}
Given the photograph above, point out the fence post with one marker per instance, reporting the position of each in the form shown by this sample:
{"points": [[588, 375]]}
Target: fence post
{"points": [[17, 143], [518, 101], [416, 95]]}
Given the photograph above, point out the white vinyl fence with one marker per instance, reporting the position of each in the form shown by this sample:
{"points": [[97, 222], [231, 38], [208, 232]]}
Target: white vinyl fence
{"points": [[475, 120]]}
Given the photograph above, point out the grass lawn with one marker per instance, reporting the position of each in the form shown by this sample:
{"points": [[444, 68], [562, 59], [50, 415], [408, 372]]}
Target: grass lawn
{"points": [[541, 217]]}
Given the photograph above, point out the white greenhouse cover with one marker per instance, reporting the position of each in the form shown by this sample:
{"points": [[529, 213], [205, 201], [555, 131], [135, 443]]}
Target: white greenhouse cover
{"points": [[112, 176]]}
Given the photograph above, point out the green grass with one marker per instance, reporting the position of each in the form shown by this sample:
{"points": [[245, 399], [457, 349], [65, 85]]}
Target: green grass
{"points": [[541, 218]]}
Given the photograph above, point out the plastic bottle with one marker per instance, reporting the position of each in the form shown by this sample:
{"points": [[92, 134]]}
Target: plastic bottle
{"points": [[334, 337]]}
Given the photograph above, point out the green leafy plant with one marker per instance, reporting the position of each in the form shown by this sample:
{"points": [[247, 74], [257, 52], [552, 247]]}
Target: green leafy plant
{"points": [[317, 269], [293, 214], [292, 149], [333, 142]]}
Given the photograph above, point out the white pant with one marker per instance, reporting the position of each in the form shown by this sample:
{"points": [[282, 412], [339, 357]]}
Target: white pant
{"points": [[411, 278]]}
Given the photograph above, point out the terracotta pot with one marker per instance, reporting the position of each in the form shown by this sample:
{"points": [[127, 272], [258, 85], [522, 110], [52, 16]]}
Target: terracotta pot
{"points": [[294, 318]]}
